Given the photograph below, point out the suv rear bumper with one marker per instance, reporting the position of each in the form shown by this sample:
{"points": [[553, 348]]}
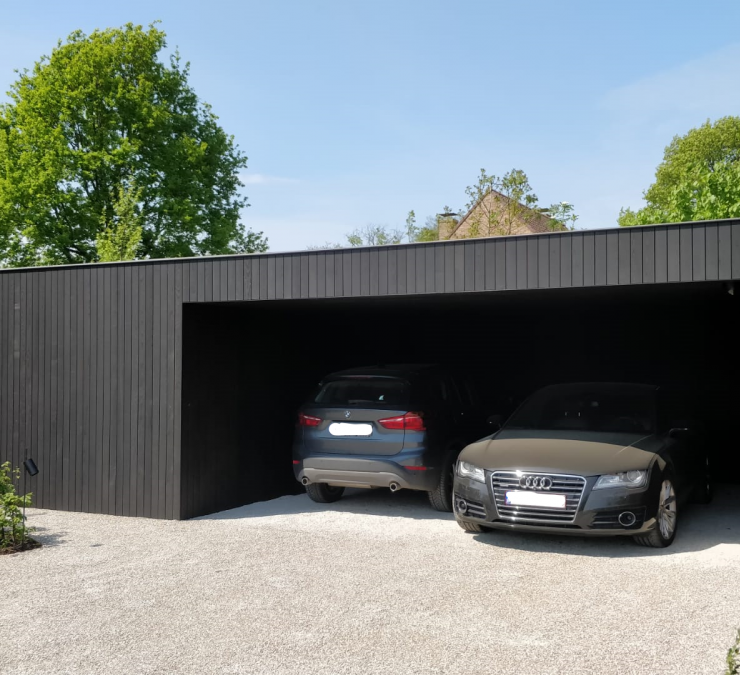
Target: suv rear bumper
{"points": [[365, 472]]}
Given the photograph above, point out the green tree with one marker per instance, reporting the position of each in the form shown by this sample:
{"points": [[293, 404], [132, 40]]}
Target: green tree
{"points": [[374, 235], [121, 239], [430, 231], [698, 179], [100, 114], [563, 216], [500, 203]]}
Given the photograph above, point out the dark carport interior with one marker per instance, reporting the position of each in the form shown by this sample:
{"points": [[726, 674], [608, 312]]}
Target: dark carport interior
{"points": [[248, 366]]}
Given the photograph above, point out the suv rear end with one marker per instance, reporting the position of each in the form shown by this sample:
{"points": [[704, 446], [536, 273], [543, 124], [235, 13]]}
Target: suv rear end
{"points": [[378, 427]]}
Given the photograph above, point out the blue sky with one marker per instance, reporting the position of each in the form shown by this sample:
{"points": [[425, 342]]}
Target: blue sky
{"points": [[353, 113]]}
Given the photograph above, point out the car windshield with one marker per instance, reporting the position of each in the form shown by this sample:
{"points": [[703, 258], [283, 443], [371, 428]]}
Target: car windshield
{"points": [[383, 392], [587, 408]]}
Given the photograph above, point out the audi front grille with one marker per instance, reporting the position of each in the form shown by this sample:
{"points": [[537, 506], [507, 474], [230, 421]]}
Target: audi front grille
{"points": [[570, 486]]}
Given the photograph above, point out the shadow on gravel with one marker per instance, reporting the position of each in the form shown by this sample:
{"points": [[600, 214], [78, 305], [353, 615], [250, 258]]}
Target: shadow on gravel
{"points": [[700, 528], [403, 504], [47, 537]]}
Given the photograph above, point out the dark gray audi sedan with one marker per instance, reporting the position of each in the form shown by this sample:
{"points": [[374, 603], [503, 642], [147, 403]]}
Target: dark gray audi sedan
{"points": [[587, 459]]}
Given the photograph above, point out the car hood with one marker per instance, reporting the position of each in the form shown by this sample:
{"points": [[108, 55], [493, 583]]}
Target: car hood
{"points": [[579, 453]]}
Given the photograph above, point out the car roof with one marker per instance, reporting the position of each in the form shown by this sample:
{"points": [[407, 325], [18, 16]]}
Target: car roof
{"points": [[402, 370]]}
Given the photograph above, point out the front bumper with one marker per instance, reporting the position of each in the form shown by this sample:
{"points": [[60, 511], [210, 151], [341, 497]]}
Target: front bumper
{"points": [[597, 514]]}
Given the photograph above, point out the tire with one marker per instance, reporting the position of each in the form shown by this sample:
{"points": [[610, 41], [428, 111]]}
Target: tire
{"points": [[322, 493], [703, 491], [472, 527], [441, 496], [664, 532]]}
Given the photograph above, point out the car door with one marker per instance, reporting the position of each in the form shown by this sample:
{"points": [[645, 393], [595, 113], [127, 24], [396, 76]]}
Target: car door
{"points": [[679, 435]]}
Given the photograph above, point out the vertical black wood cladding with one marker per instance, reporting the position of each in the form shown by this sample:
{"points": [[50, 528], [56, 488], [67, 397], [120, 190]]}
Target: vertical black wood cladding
{"points": [[87, 389], [91, 357]]}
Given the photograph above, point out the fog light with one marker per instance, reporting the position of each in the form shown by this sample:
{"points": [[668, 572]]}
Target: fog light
{"points": [[627, 519], [462, 506]]}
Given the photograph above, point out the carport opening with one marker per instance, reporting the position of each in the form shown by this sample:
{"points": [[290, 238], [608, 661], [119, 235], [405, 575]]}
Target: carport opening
{"points": [[248, 366]]}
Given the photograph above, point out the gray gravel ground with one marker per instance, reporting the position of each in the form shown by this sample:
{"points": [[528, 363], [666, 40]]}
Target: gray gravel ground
{"points": [[377, 583]]}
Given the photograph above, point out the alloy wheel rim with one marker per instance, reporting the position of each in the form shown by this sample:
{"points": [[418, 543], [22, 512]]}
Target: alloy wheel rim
{"points": [[667, 510]]}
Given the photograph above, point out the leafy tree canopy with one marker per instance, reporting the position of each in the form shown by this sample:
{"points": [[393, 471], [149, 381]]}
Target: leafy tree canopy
{"points": [[105, 150], [699, 178]]}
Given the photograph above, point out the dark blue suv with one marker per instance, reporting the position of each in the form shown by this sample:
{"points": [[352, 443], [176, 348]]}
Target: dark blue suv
{"points": [[399, 426]]}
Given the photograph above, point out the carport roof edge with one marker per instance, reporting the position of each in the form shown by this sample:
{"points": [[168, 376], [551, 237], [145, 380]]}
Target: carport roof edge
{"points": [[325, 251]]}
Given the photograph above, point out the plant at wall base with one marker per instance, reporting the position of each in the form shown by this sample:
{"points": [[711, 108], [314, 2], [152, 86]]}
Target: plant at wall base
{"points": [[733, 657], [13, 531]]}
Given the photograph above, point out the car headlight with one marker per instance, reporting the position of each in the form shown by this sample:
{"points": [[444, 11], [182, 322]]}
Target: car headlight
{"points": [[628, 479], [467, 470]]}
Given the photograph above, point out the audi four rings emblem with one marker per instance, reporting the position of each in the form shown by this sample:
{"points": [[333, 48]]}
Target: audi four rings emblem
{"points": [[347, 414], [535, 482]]}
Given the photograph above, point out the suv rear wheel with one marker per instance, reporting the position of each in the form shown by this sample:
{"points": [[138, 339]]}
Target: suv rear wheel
{"points": [[441, 496], [323, 493]]}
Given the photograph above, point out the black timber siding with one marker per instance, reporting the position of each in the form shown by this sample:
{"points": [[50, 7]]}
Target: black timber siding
{"points": [[90, 356]]}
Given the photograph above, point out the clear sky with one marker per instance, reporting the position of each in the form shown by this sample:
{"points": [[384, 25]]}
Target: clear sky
{"points": [[354, 112]]}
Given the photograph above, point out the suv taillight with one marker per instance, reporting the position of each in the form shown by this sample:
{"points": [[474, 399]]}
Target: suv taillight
{"points": [[412, 421], [308, 420]]}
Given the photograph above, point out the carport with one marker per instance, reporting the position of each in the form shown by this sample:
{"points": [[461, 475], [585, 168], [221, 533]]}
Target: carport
{"points": [[168, 389]]}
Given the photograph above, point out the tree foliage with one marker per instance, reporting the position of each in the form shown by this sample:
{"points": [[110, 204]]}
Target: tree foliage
{"points": [[562, 213], [120, 240], [98, 116], [699, 178], [500, 204], [382, 235], [497, 206]]}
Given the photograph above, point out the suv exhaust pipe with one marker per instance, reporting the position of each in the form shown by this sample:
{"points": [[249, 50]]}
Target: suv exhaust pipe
{"points": [[305, 481], [395, 487], [627, 519]]}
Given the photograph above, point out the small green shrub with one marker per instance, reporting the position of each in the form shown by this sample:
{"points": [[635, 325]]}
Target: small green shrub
{"points": [[733, 657], [13, 530]]}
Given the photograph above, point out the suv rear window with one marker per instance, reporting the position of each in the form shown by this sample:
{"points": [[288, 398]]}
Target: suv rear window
{"points": [[383, 392]]}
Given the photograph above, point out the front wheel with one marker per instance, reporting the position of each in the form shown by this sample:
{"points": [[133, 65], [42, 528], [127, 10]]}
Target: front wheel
{"points": [[322, 493], [666, 520]]}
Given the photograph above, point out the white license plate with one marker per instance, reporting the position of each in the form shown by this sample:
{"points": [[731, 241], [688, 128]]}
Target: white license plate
{"points": [[347, 429], [535, 499]]}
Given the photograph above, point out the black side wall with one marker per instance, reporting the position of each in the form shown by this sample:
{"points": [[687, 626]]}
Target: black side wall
{"points": [[90, 386]]}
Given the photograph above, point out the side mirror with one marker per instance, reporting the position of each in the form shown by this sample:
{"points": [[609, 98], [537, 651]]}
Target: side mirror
{"points": [[496, 421]]}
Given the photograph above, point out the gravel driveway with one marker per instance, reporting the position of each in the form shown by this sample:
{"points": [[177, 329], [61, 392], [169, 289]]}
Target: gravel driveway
{"points": [[377, 583]]}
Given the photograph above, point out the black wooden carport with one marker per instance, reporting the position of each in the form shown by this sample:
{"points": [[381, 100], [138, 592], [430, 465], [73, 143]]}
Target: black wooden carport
{"points": [[166, 388]]}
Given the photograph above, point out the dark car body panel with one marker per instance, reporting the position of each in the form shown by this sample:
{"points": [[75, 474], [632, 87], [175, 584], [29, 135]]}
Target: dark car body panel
{"points": [[583, 453], [589, 455]]}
